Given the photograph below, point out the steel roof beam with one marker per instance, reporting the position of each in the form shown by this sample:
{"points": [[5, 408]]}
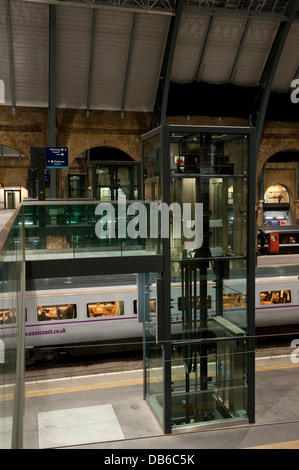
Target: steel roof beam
{"points": [[204, 50], [160, 107], [168, 7], [235, 13], [270, 68], [155, 7], [240, 48], [52, 92], [133, 28]]}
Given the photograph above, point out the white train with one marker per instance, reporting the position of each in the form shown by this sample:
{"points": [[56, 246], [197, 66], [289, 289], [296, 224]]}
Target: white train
{"points": [[59, 318]]}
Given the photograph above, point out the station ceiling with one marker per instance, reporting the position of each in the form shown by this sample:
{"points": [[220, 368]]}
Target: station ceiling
{"points": [[142, 55]]}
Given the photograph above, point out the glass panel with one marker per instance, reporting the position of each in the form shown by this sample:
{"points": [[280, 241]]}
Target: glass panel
{"points": [[226, 202], [152, 168], [82, 230], [209, 292], [56, 312], [103, 175], [225, 296], [124, 181], [77, 186], [210, 154], [275, 297], [11, 324], [115, 182], [208, 298], [154, 363], [113, 308], [104, 194], [208, 377], [208, 218]]}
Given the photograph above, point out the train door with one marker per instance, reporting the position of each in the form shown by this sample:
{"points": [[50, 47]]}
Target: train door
{"points": [[274, 243]]}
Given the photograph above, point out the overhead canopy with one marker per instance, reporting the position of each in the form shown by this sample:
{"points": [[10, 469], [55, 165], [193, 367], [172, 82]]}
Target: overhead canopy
{"points": [[109, 54]]}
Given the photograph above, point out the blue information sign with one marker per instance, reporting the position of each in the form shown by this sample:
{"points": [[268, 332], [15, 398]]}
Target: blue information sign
{"points": [[57, 157]]}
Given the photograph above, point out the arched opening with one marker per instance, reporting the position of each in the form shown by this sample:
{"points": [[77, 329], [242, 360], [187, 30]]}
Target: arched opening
{"points": [[108, 154], [277, 206], [276, 193], [284, 156], [13, 170], [279, 189], [105, 174]]}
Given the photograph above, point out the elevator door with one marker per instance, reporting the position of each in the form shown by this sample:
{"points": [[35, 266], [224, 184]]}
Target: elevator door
{"points": [[114, 182], [12, 198], [77, 185]]}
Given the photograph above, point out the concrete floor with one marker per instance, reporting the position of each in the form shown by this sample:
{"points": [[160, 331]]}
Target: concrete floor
{"points": [[107, 411]]}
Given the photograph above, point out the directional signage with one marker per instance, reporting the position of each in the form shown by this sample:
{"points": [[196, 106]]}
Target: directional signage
{"points": [[57, 157]]}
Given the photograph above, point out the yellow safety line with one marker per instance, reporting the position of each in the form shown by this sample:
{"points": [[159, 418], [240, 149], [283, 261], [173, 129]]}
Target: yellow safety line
{"points": [[83, 388], [279, 445], [275, 367], [119, 383]]}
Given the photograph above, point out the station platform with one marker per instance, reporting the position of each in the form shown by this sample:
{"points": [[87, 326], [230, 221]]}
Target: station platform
{"points": [[5, 215], [107, 411]]}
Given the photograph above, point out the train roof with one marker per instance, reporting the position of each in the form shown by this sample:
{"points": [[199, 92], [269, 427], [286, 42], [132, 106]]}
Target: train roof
{"points": [[278, 271], [80, 282], [279, 228]]}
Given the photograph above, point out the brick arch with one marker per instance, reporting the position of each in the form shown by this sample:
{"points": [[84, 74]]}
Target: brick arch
{"points": [[23, 149], [113, 148], [25, 129], [273, 142], [264, 156], [271, 147], [132, 149], [14, 171]]}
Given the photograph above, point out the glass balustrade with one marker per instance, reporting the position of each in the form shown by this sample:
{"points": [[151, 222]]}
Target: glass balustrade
{"points": [[80, 230], [12, 318]]}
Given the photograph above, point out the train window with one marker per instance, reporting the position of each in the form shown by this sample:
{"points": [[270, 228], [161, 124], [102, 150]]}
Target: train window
{"points": [[275, 297], [288, 239], [135, 307], [113, 308], [181, 300], [234, 300], [152, 305], [56, 312], [7, 316]]}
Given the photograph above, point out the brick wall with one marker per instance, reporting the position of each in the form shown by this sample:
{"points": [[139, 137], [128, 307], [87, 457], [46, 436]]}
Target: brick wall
{"points": [[29, 127]]}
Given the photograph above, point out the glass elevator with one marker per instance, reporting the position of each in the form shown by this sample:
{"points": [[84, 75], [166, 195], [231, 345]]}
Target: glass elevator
{"points": [[199, 351]]}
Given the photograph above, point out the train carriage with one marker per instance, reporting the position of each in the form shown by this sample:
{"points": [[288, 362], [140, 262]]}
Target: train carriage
{"points": [[57, 319], [278, 240], [81, 316]]}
